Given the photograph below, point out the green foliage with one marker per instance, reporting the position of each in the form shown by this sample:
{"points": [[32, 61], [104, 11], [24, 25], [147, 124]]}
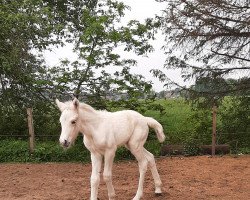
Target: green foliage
{"points": [[153, 146], [96, 36], [46, 120], [201, 120], [175, 119], [13, 121], [29, 27], [14, 151], [49, 151], [123, 154], [192, 146], [192, 126], [92, 27], [244, 150], [182, 125], [235, 120], [26, 28]]}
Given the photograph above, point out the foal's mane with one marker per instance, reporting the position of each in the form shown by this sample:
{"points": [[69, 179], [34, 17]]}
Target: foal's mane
{"points": [[82, 106], [86, 107]]}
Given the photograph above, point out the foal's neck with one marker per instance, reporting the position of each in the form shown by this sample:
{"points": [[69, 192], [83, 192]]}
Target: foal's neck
{"points": [[89, 119], [88, 113]]}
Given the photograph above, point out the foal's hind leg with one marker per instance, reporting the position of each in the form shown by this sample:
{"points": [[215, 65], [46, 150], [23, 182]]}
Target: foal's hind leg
{"points": [[150, 157], [138, 152], [142, 162]]}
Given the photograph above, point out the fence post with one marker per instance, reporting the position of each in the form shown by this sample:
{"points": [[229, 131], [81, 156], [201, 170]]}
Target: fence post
{"points": [[214, 129], [31, 130]]}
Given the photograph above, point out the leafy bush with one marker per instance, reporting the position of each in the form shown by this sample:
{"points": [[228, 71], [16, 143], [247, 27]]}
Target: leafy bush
{"points": [[235, 121], [14, 151], [49, 151], [175, 120]]}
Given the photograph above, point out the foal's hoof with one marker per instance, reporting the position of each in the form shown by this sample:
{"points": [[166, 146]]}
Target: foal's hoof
{"points": [[158, 194]]}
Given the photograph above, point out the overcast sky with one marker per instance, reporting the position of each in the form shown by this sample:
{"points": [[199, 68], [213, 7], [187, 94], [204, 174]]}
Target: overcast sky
{"points": [[140, 10]]}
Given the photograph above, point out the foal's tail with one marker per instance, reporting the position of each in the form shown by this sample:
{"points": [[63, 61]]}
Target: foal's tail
{"points": [[157, 127]]}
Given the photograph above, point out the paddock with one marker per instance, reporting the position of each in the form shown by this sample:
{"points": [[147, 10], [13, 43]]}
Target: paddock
{"points": [[201, 177]]}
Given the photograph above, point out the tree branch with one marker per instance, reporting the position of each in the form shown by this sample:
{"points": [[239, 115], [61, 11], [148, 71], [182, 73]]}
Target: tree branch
{"points": [[231, 56]]}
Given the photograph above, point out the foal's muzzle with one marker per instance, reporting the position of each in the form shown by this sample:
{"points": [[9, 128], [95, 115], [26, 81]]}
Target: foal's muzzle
{"points": [[65, 144]]}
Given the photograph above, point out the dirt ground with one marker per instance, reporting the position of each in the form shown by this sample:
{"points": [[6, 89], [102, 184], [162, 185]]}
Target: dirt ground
{"points": [[222, 178]]}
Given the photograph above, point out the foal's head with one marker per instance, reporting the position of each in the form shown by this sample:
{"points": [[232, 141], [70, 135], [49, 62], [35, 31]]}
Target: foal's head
{"points": [[69, 122]]}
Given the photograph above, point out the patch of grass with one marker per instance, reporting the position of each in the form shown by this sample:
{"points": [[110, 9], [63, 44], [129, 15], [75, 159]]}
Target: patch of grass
{"points": [[49, 151]]}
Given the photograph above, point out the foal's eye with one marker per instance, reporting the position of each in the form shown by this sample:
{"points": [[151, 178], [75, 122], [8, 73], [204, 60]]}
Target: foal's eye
{"points": [[73, 122]]}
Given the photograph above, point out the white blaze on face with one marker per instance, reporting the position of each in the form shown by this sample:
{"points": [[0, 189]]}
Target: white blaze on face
{"points": [[69, 127]]}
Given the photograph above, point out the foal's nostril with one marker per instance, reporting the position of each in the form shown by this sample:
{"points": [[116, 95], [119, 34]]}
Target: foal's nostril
{"points": [[66, 143]]}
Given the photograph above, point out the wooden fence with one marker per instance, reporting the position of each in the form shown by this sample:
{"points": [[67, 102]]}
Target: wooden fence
{"points": [[31, 133], [31, 130]]}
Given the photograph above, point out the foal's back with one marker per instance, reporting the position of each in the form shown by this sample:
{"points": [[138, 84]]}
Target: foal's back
{"points": [[121, 125]]}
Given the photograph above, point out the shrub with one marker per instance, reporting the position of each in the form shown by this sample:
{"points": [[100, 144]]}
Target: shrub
{"points": [[50, 151], [14, 151]]}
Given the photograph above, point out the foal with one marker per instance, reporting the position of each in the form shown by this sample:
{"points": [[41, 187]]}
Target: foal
{"points": [[103, 132]]}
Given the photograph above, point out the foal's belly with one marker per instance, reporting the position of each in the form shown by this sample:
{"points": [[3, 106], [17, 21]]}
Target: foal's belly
{"points": [[102, 140]]}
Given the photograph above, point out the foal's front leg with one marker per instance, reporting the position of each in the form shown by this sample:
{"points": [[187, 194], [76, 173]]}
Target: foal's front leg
{"points": [[96, 160], [107, 173]]}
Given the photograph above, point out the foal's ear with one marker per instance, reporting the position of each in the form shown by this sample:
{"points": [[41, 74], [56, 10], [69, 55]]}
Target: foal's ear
{"points": [[76, 103], [60, 105]]}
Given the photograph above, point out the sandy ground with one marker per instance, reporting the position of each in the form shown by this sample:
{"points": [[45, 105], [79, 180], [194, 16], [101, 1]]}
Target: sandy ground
{"points": [[222, 178]]}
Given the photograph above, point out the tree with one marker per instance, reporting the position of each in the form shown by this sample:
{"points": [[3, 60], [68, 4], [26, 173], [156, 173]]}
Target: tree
{"points": [[208, 40], [97, 33], [27, 28]]}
